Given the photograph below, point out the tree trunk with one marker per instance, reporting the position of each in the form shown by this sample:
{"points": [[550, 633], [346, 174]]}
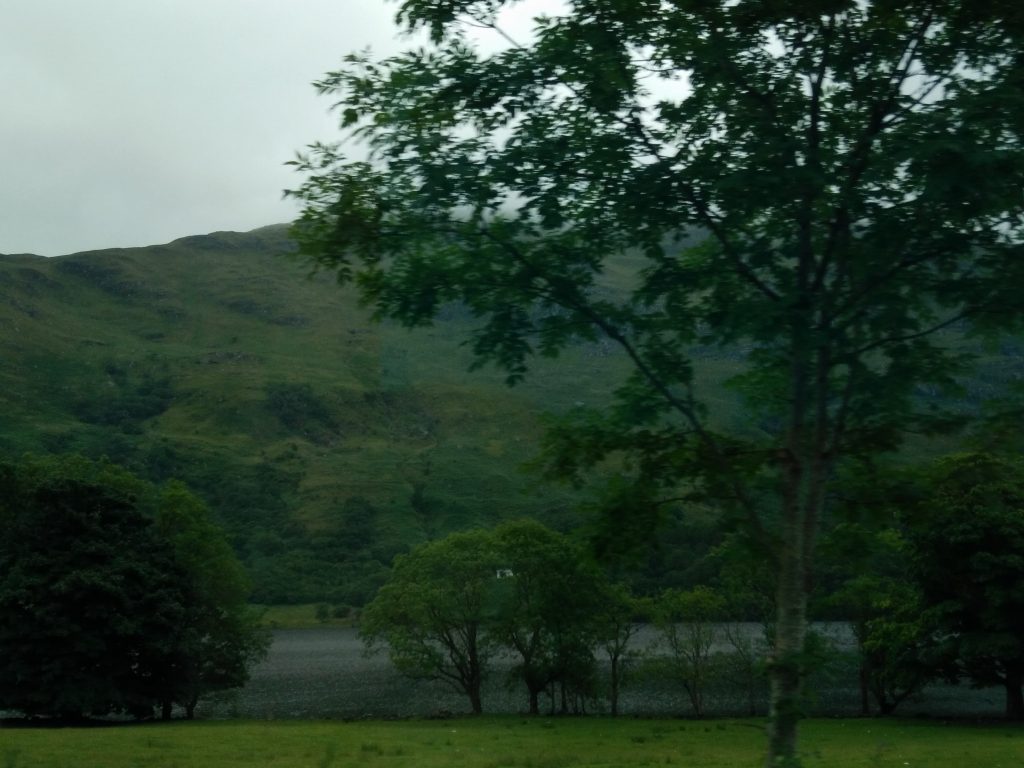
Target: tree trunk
{"points": [[751, 693], [165, 710], [864, 674], [805, 468], [801, 490], [786, 662], [475, 700], [696, 695], [785, 671], [614, 692], [190, 708], [1014, 697], [534, 701], [472, 674]]}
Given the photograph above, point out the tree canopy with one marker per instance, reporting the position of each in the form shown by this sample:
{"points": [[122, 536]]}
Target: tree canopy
{"points": [[892, 630], [549, 612], [434, 611], [968, 537], [825, 185], [106, 605], [219, 640], [523, 590]]}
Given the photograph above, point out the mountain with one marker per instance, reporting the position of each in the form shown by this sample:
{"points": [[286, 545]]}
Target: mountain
{"points": [[324, 442]]}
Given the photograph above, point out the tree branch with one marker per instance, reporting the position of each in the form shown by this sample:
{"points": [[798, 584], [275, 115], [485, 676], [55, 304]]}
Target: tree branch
{"points": [[686, 410], [860, 156]]}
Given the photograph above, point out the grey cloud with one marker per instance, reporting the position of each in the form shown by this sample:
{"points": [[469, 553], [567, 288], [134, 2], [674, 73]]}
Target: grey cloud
{"points": [[129, 123]]}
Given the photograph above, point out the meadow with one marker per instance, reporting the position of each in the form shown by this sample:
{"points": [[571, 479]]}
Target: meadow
{"points": [[496, 742]]}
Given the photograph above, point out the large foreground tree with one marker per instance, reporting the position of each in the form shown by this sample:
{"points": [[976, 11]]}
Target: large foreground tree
{"points": [[845, 176]]}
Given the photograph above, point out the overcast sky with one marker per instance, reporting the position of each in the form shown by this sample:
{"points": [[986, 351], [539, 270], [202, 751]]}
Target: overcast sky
{"points": [[134, 122]]}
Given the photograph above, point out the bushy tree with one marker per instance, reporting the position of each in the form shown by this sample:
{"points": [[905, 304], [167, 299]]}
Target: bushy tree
{"points": [[968, 542], [896, 642], [449, 605], [435, 610], [867, 579], [219, 637], [894, 638], [91, 598], [103, 610], [547, 612], [688, 621], [845, 176]]}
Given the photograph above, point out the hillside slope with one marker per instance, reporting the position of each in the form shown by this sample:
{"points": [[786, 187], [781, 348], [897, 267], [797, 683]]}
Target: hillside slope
{"points": [[324, 442]]}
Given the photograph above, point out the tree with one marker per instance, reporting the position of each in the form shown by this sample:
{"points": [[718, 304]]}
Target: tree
{"points": [[968, 543], [824, 184], [688, 622], [449, 605], [893, 638], [546, 611], [895, 643], [220, 638], [868, 562], [617, 625], [433, 610], [114, 597], [91, 600]]}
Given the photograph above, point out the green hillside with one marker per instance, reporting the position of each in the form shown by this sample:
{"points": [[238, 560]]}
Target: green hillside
{"points": [[324, 442]]}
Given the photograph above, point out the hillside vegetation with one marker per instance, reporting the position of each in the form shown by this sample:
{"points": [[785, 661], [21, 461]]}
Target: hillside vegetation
{"points": [[324, 442]]}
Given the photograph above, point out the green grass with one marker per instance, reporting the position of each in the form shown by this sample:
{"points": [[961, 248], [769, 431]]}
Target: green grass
{"points": [[500, 742], [300, 616]]}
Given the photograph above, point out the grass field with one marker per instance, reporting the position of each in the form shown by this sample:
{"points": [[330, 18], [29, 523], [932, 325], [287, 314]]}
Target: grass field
{"points": [[495, 742]]}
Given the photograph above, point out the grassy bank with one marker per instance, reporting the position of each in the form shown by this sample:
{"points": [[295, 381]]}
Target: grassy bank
{"points": [[303, 616], [494, 742]]}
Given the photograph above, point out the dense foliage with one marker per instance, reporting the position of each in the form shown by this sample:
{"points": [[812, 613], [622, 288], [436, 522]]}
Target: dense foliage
{"points": [[968, 549], [218, 640], [894, 639], [112, 600], [435, 609], [522, 589]]}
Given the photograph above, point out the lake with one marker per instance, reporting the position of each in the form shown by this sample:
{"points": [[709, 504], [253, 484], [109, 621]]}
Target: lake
{"points": [[325, 674]]}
